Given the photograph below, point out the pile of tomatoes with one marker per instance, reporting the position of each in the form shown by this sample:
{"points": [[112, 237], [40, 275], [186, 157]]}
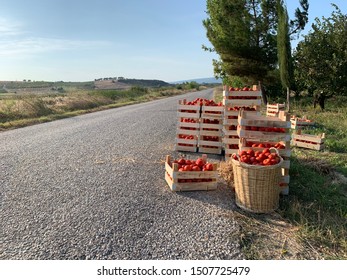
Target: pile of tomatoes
{"points": [[238, 108], [278, 145], [193, 165], [305, 141], [264, 157], [215, 121], [245, 88], [189, 120], [211, 138], [204, 101]]}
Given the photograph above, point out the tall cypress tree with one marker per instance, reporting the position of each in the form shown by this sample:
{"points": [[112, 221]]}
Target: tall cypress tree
{"points": [[285, 62]]}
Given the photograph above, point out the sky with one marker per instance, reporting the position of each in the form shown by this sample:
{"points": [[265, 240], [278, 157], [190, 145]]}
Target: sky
{"points": [[82, 40]]}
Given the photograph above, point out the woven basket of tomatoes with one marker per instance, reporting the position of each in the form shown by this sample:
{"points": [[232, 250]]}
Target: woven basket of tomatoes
{"points": [[191, 175], [256, 179]]}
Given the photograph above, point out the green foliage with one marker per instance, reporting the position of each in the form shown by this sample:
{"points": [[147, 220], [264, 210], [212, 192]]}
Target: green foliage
{"points": [[135, 91], [283, 46], [244, 34], [188, 86], [321, 58]]}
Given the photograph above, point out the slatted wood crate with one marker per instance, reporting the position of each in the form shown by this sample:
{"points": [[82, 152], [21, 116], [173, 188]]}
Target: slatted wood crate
{"points": [[242, 98], [264, 128], [230, 140], [308, 141], [210, 134], [230, 122], [272, 110], [190, 180], [298, 123], [212, 112], [188, 126]]}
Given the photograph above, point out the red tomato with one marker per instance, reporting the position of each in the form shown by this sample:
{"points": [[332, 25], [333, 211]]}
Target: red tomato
{"points": [[182, 161], [243, 153], [250, 152], [187, 168], [196, 168], [200, 162], [209, 167]]}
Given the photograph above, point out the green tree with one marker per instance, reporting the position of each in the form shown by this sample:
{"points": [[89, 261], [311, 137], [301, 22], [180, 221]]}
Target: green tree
{"points": [[284, 50], [321, 58], [244, 35]]}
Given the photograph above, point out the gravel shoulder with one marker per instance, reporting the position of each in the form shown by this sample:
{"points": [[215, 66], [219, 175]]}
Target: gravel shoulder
{"points": [[92, 187]]}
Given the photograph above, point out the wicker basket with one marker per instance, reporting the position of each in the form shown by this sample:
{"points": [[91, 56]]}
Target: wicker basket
{"points": [[256, 186]]}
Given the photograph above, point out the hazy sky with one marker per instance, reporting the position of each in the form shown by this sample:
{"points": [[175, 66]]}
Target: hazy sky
{"points": [[79, 40]]}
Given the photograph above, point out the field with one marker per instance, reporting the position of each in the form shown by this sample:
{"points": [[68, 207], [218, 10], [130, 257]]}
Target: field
{"points": [[311, 222], [27, 103]]}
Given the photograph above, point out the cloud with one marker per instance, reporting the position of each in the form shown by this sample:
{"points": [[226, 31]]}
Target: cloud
{"points": [[9, 28], [36, 45], [15, 42]]}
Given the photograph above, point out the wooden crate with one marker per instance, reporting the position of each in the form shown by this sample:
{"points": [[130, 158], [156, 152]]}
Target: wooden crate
{"points": [[258, 127], [297, 123], [208, 146], [231, 116], [212, 112], [231, 140], [242, 98], [210, 136], [188, 125], [230, 131], [193, 180], [308, 141], [187, 111], [186, 145], [272, 110]]}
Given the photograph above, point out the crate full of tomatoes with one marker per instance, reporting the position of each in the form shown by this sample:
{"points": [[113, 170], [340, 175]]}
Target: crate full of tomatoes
{"points": [[263, 128], [191, 175], [242, 96]]}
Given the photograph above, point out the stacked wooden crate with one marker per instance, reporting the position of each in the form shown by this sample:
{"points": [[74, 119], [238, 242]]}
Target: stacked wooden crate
{"points": [[234, 101], [298, 123], [272, 110], [265, 132], [188, 127], [210, 132], [308, 141]]}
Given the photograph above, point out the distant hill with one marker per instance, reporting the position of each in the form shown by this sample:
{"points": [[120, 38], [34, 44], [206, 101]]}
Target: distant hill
{"points": [[201, 81], [145, 83]]}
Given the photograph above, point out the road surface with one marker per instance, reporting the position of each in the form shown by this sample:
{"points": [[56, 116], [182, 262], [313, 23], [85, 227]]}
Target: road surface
{"points": [[92, 187]]}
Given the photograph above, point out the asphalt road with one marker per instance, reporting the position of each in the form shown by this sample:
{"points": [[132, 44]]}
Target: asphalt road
{"points": [[92, 187]]}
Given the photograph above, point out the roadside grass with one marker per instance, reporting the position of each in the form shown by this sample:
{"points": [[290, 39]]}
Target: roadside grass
{"points": [[23, 110], [311, 222]]}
